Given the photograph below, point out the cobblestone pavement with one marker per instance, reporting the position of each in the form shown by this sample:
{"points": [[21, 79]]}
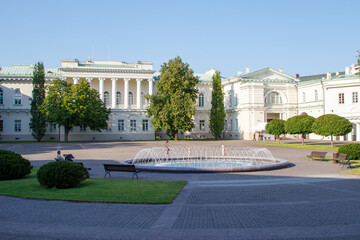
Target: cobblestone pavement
{"points": [[308, 200]]}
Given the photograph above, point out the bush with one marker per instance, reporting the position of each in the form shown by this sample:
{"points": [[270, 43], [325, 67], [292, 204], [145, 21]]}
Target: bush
{"points": [[61, 174], [13, 165], [352, 149]]}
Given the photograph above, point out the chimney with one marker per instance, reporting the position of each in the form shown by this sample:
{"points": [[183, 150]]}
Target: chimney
{"points": [[297, 75], [328, 75], [247, 69], [240, 73], [281, 70], [337, 73]]}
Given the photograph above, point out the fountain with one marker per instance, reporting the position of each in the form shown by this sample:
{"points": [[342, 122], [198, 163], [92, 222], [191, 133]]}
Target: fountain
{"points": [[206, 159]]}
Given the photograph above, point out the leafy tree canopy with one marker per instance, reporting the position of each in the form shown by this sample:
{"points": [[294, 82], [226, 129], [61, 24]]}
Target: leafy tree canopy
{"points": [[74, 105], [276, 127], [301, 124], [217, 111], [173, 106]]}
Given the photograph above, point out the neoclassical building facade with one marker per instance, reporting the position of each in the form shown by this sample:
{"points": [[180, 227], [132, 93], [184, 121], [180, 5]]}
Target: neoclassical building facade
{"points": [[251, 100]]}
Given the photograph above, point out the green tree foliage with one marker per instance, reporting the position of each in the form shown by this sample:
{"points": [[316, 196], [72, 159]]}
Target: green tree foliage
{"points": [[74, 105], [276, 127], [217, 112], [37, 120], [301, 124], [331, 125], [173, 106]]}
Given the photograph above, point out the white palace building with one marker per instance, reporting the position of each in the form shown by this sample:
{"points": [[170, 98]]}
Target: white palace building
{"points": [[251, 100]]}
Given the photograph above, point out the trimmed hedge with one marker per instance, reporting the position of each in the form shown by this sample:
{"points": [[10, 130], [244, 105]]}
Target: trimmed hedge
{"points": [[352, 149], [13, 165], [61, 174]]}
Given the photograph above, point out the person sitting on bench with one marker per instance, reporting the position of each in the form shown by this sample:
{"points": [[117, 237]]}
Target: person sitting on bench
{"points": [[68, 157]]}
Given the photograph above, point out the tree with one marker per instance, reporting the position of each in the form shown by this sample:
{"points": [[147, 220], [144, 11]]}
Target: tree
{"points": [[75, 105], [301, 124], [37, 120], [217, 111], [331, 125], [173, 106], [276, 127]]}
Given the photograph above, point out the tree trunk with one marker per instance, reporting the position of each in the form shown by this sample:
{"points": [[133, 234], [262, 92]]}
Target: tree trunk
{"points": [[176, 136], [279, 138], [67, 130], [302, 138], [332, 145]]}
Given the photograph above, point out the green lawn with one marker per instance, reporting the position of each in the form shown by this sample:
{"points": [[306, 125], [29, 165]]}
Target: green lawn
{"points": [[97, 190], [298, 145]]}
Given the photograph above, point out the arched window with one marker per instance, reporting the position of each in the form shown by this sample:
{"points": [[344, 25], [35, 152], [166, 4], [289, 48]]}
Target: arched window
{"points": [[273, 98], [17, 97], [201, 100], [118, 98], [1, 96], [106, 97], [304, 97], [316, 95], [131, 98]]}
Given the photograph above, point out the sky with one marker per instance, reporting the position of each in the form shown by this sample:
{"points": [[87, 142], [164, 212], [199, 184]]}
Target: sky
{"points": [[305, 37]]}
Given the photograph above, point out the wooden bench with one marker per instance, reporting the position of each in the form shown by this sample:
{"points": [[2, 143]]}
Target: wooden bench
{"points": [[316, 155], [339, 158], [346, 162], [120, 168]]}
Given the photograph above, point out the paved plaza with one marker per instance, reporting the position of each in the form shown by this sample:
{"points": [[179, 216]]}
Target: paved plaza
{"points": [[307, 200]]}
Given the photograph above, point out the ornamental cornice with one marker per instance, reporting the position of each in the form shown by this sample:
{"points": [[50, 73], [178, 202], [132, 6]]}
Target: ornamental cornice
{"points": [[92, 70]]}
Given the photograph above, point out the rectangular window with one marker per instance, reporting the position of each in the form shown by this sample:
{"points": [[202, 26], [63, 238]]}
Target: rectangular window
{"points": [[341, 98], [355, 97], [231, 125], [226, 125], [145, 125], [82, 128], [17, 125], [202, 125], [108, 127], [52, 127], [133, 125], [121, 125], [236, 125], [1, 125]]}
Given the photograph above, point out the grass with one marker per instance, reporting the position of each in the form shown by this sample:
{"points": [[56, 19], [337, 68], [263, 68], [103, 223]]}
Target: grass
{"points": [[97, 190], [299, 145], [352, 172]]}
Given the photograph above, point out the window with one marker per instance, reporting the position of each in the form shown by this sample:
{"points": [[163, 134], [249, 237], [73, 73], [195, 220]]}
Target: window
{"points": [[201, 100], [316, 95], [118, 98], [106, 98], [17, 125], [202, 125], [355, 97], [230, 98], [133, 125], [142, 98], [108, 127], [121, 126], [236, 125], [1, 96], [82, 128], [304, 97], [1, 125], [226, 125], [145, 125], [341, 98], [131, 98], [52, 127], [17, 97], [273, 98], [231, 125], [236, 100]]}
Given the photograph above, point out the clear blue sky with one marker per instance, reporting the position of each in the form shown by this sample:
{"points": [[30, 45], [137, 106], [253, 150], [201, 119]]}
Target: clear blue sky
{"points": [[305, 37]]}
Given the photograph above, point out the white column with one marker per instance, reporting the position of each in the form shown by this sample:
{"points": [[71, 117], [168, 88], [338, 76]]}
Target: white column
{"points": [[151, 86], [341, 138], [358, 132], [113, 92], [126, 92], [76, 80], [138, 93], [89, 80], [101, 88]]}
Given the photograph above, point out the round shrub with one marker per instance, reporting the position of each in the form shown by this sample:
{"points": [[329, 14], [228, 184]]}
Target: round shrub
{"points": [[352, 149], [61, 174], [13, 165]]}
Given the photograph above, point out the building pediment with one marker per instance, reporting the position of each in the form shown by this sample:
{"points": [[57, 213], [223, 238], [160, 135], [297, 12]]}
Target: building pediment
{"points": [[267, 75]]}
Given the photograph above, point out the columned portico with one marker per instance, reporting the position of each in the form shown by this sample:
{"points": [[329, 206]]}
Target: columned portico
{"points": [[126, 92], [357, 131], [113, 92], [101, 88], [89, 79], [151, 86], [76, 80], [138, 93]]}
